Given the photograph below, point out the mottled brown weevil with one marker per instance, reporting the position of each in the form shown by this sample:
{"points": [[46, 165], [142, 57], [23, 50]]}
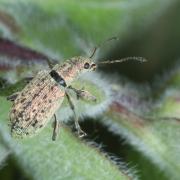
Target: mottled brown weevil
{"points": [[38, 102]]}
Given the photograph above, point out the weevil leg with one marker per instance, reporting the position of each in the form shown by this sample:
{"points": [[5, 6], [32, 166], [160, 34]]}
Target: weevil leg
{"points": [[81, 133], [28, 79], [56, 128], [50, 63], [83, 94], [12, 97]]}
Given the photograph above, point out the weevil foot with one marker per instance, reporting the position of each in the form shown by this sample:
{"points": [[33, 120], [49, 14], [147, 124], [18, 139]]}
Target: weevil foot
{"points": [[83, 94], [81, 133]]}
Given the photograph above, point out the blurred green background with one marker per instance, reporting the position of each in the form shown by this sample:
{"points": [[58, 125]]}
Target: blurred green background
{"points": [[32, 31]]}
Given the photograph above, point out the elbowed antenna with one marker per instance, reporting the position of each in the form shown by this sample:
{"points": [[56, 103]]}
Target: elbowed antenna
{"points": [[140, 59], [107, 40], [133, 58]]}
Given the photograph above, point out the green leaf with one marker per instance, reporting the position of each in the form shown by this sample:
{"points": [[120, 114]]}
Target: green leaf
{"points": [[67, 28], [66, 158], [156, 135], [4, 153], [60, 30]]}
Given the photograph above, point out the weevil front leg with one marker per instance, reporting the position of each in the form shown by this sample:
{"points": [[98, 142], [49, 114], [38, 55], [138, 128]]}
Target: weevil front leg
{"points": [[83, 94], [56, 128], [81, 133], [50, 63]]}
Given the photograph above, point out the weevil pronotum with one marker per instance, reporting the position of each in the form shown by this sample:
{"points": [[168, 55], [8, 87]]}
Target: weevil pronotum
{"points": [[38, 102]]}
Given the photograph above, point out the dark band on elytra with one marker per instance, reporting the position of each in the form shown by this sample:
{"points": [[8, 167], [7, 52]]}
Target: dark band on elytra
{"points": [[58, 78]]}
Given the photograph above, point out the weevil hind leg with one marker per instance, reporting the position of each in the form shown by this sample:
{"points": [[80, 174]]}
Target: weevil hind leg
{"points": [[56, 126], [80, 132], [12, 97]]}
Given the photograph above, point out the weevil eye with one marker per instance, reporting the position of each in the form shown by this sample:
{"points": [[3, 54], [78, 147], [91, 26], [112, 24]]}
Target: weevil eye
{"points": [[86, 65]]}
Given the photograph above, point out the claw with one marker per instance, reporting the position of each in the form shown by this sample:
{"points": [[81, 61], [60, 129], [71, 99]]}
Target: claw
{"points": [[81, 133]]}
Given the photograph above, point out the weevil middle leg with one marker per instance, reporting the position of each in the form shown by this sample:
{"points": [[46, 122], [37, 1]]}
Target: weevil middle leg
{"points": [[56, 125], [81, 133]]}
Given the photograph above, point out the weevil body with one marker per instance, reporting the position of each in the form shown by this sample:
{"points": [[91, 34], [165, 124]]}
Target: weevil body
{"points": [[36, 104]]}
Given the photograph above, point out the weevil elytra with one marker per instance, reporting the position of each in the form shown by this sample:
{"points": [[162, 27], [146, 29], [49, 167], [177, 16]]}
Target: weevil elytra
{"points": [[37, 103]]}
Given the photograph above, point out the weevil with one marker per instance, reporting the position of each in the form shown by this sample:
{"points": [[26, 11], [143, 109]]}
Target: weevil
{"points": [[38, 102]]}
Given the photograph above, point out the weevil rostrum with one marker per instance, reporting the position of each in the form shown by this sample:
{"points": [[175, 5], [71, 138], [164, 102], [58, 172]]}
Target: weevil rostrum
{"points": [[38, 102]]}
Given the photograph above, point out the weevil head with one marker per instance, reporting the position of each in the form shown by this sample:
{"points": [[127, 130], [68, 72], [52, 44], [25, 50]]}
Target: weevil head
{"points": [[74, 67], [84, 64]]}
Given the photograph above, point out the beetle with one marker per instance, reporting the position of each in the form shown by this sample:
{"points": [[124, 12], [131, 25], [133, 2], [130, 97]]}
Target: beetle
{"points": [[38, 102]]}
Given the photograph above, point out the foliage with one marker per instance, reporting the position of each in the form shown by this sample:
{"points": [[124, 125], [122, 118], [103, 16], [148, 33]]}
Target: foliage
{"points": [[144, 117]]}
